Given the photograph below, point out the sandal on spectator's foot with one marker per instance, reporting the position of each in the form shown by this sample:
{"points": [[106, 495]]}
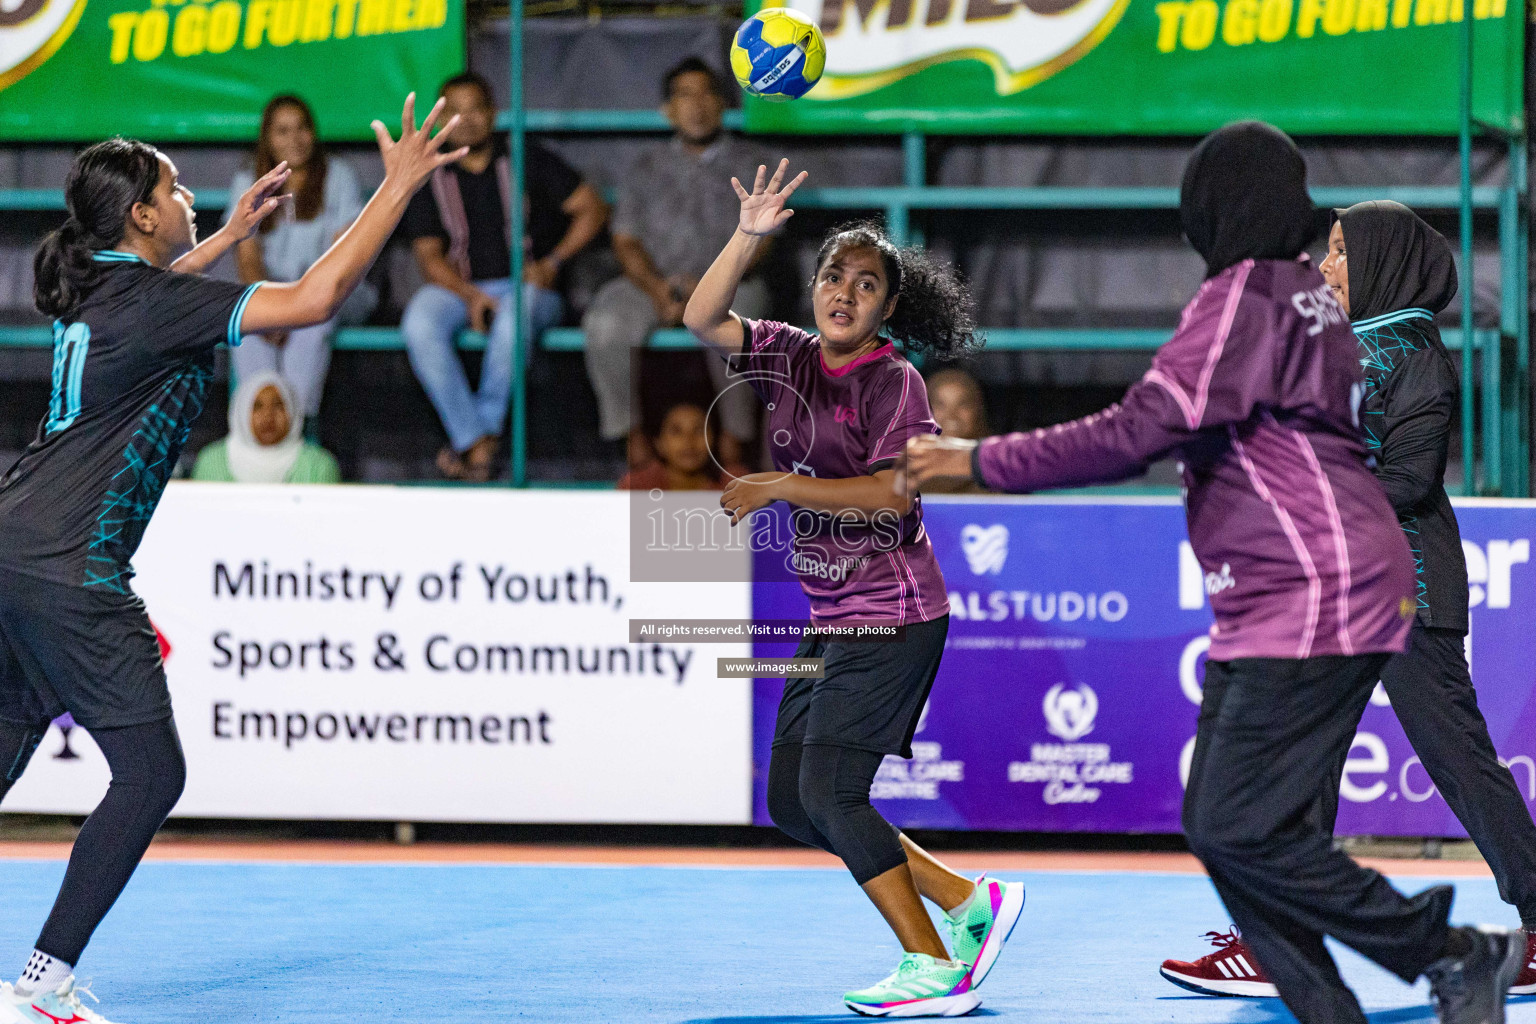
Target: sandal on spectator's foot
{"points": [[450, 464], [480, 460]]}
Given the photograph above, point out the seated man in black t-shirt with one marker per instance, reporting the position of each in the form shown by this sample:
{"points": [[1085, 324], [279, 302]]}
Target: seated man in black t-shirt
{"points": [[458, 228]]}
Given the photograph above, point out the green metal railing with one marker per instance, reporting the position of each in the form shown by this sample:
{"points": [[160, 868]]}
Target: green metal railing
{"points": [[900, 201], [999, 339]]}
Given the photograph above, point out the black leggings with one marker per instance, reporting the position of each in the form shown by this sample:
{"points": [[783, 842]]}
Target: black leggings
{"points": [[17, 744], [148, 774], [820, 795]]}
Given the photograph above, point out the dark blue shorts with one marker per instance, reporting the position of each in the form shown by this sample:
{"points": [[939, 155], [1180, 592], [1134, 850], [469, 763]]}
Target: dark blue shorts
{"points": [[85, 650]]}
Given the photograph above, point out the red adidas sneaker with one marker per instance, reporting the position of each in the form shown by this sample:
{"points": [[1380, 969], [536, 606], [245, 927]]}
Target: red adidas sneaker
{"points": [[1525, 981], [1230, 971]]}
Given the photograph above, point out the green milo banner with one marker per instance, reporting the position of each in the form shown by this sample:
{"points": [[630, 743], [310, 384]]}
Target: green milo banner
{"points": [[1150, 67], [203, 69]]}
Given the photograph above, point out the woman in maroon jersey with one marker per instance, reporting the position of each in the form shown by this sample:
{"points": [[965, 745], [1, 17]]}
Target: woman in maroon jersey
{"points": [[841, 406], [1258, 394]]}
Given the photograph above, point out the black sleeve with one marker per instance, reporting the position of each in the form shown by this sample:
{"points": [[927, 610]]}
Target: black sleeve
{"points": [[421, 218], [188, 313], [1418, 408], [550, 179]]}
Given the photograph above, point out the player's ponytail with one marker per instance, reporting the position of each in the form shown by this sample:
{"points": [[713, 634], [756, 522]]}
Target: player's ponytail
{"points": [[105, 182], [61, 270], [934, 311]]}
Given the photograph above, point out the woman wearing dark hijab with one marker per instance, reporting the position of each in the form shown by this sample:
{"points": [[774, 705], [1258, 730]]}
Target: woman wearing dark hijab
{"points": [[1256, 393], [1391, 272]]}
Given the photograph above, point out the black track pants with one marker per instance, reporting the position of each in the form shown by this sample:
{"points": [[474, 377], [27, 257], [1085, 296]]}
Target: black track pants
{"points": [[1434, 700], [1271, 733]]}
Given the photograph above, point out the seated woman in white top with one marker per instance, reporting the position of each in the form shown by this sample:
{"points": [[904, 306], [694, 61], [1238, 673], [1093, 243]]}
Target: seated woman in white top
{"points": [[326, 200]]}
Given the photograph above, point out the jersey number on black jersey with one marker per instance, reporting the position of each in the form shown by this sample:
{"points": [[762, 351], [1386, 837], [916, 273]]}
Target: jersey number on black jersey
{"points": [[70, 345]]}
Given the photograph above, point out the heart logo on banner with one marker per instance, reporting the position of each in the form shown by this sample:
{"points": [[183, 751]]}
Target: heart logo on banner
{"points": [[1070, 713], [985, 547]]}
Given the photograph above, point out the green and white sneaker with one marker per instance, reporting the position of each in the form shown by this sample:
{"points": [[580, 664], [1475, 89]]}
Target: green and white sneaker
{"points": [[61, 1006], [977, 936], [921, 987]]}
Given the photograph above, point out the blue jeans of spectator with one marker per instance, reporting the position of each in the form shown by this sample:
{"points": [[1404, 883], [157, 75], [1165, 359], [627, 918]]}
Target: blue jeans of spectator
{"points": [[305, 359], [620, 321], [433, 317]]}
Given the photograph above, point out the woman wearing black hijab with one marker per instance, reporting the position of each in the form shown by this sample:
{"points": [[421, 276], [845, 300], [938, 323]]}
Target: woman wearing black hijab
{"points": [[1256, 394], [1391, 272]]}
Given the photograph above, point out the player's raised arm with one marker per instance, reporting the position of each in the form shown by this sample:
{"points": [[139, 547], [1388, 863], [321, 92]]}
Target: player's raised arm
{"points": [[709, 314], [318, 295]]}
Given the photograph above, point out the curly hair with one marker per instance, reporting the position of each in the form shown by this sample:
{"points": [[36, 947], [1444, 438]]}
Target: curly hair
{"points": [[934, 311]]}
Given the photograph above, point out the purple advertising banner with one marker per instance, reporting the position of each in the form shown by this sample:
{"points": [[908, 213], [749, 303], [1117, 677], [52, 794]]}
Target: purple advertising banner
{"points": [[1067, 698]]}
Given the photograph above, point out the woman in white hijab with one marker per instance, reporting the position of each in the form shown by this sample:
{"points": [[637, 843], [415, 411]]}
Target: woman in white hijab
{"points": [[266, 440]]}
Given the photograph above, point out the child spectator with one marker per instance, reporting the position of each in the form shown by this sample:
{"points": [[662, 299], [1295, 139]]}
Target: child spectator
{"points": [[685, 456], [958, 404], [961, 411]]}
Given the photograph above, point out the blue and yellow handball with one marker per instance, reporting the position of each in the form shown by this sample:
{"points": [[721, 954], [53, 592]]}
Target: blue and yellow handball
{"points": [[778, 54]]}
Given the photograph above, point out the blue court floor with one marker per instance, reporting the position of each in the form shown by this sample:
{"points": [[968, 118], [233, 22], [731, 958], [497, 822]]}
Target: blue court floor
{"points": [[236, 942]]}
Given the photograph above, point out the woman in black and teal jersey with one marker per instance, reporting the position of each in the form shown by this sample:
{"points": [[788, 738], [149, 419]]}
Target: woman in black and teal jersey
{"points": [[134, 332]]}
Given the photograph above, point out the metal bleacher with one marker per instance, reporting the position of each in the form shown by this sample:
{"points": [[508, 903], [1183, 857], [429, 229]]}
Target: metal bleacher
{"points": [[1503, 462]]}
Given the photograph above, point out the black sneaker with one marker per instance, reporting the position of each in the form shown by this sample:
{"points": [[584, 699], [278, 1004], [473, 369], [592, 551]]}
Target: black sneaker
{"points": [[1471, 989]]}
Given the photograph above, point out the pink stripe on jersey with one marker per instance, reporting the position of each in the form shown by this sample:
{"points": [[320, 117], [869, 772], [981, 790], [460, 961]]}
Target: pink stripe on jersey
{"points": [[1223, 331], [1336, 525], [881, 350], [1314, 582], [901, 408], [766, 337], [1194, 408], [901, 588], [840, 424], [917, 591], [1180, 399]]}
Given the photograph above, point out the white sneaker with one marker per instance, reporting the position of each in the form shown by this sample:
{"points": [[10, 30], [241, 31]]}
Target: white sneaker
{"points": [[61, 1006], [8, 1014], [921, 987]]}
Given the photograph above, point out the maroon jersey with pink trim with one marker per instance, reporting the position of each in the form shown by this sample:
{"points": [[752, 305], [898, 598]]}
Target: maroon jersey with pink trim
{"points": [[1258, 393], [835, 425]]}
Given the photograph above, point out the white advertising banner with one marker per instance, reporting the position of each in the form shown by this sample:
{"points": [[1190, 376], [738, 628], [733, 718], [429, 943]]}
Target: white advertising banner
{"points": [[425, 654]]}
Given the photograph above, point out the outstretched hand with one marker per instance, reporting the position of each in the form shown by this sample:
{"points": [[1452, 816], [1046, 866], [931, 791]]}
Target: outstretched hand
{"points": [[411, 159], [762, 210], [931, 457], [259, 201]]}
